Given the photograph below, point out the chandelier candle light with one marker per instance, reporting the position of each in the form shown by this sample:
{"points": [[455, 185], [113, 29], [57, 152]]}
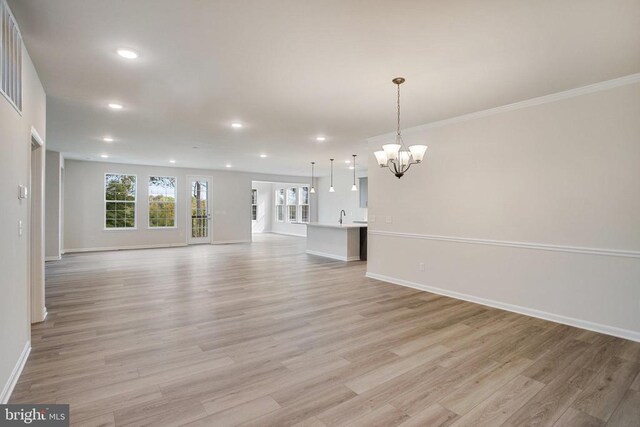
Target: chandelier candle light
{"points": [[331, 190], [397, 157], [353, 187], [313, 190]]}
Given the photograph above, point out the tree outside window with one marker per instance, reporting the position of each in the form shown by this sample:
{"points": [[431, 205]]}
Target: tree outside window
{"points": [[162, 202]]}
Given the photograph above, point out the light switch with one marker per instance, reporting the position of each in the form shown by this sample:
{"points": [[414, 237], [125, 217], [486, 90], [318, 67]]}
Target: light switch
{"points": [[389, 219], [23, 192], [19, 228]]}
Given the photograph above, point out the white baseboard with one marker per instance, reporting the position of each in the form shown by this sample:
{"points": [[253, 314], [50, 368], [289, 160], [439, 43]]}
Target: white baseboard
{"points": [[557, 318], [229, 242], [15, 374], [52, 258], [287, 234], [124, 248], [333, 256]]}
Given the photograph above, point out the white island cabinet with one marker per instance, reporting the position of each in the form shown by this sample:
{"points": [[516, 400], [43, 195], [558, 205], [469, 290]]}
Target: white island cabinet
{"points": [[344, 242]]}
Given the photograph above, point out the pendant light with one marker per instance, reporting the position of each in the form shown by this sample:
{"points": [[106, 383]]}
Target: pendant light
{"points": [[353, 187], [313, 190], [397, 157], [331, 189]]}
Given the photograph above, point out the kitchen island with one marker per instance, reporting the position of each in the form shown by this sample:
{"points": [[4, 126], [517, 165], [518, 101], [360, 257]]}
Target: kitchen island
{"points": [[344, 242]]}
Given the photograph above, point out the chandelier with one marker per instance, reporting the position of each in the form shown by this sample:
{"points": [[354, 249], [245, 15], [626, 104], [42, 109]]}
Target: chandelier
{"points": [[397, 157]]}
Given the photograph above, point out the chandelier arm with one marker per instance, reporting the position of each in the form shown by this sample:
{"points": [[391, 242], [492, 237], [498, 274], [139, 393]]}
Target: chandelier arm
{"points": [[398, 168], [408, 166]]}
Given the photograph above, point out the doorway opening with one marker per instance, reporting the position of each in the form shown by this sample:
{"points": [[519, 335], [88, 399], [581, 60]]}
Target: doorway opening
{"points": [[280, 208]]}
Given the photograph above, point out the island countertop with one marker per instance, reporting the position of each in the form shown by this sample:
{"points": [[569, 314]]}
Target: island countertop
{"points": [[336, 225]]}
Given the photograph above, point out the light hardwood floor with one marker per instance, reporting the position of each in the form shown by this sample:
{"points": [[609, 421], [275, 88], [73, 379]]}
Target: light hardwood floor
{"points": [[263, 334]]}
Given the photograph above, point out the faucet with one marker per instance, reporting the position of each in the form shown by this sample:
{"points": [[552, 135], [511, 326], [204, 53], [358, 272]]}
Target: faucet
{"points": [[342, 212]]}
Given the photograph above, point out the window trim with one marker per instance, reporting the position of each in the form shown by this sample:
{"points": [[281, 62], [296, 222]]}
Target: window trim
{"points": [[104, 206], [175, 208]]}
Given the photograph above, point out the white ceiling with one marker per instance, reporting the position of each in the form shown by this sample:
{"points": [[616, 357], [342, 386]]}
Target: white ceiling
{"points": [[292, 70]]}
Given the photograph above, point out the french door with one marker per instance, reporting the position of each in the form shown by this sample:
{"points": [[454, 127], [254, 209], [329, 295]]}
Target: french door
{"points": [[199, 210]]}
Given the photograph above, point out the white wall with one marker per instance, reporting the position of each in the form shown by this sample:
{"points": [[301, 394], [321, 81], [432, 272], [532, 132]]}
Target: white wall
{"points": [[15, 155], [53, 207], [84, 205], [533, 209], [330, 204]]}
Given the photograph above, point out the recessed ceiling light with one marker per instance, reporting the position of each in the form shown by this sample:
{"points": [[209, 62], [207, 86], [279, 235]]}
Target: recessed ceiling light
{"points": [[172, 161], [320, 138], [227, 166], [351, 168], [104, 156], [127, 53], [236, 125], [347, 161], [263, 155], [107, 139], [115, 106]]}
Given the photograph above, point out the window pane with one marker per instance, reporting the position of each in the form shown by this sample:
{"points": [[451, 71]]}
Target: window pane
{"points": [[292, 209], [162, 201], [280, 196], [118, 189], [304, 195], [292, 196], [304, 213]]}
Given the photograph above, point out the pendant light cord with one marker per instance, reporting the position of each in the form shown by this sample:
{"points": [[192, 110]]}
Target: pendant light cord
{"points": [[398, 109], [332, 172], [354, 169]]}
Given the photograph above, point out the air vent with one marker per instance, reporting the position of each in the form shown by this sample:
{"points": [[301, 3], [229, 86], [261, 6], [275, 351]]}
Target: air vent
{"points": [[10, 57]]}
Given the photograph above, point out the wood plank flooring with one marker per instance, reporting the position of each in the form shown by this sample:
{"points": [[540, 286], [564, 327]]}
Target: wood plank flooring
{"points": [[263, 334]]}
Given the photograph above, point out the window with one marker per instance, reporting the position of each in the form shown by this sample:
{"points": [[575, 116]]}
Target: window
{"points": [[304, 204], [292, 204], [120, 201], [280, 205], [254, 204], [10, 57], [162, 201]]}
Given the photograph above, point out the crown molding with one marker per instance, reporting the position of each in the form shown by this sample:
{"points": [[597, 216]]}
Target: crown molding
{"points": [[554, 97]]}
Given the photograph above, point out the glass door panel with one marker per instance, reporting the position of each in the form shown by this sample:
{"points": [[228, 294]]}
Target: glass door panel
{"points": [[199, 210]]}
